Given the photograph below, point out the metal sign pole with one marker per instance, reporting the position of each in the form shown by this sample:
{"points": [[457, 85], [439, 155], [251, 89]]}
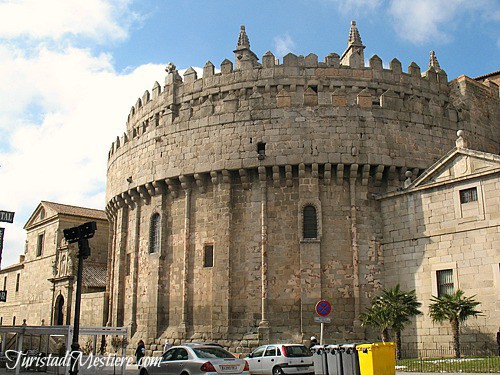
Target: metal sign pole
{"points": [[321, 334], [2, 232]]}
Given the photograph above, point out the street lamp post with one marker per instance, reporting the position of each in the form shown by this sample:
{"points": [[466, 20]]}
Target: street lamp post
{"points": [[80, 234]]}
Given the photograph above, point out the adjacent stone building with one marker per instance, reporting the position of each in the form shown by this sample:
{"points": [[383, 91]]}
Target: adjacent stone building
{"points": [[441, 234], [41, 287], [240, 199]]}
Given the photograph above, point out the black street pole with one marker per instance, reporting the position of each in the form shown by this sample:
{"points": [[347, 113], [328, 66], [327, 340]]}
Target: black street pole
{"points": [[79, 234], [75, 346]]}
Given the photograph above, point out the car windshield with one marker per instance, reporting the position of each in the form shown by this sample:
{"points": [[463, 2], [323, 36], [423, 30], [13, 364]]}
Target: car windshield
{"points": [[212, 352], [297, 351]]}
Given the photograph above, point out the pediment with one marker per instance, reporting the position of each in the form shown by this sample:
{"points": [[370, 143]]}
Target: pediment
{"points": [[460, 163], [42, 212]]}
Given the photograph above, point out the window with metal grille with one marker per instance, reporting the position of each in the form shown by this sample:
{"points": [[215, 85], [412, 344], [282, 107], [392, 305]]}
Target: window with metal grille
{"points": [[208, 256], [39, 245], [154, 233], [445, 282], [310, 222], [468, 195]]}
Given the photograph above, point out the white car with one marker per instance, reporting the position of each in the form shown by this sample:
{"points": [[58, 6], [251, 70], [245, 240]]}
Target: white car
{"points": [[197, 359], [279, 359]]}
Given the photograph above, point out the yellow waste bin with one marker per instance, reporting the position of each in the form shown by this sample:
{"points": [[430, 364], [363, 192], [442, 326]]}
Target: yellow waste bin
{"points": [[377, 359]]}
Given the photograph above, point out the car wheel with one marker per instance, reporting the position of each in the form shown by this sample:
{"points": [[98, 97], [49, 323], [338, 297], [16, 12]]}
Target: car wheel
{"points": [[277, 371], [144, 372]]}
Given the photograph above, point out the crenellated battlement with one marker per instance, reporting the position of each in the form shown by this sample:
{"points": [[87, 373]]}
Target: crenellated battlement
{"points": [[330, 82]]}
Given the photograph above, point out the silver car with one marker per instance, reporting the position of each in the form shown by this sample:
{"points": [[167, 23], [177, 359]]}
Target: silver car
{"points": [[197, 359], [279, 359]]}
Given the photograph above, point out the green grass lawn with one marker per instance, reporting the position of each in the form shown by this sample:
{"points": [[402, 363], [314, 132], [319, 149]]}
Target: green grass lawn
{"points": [[452, 365]]}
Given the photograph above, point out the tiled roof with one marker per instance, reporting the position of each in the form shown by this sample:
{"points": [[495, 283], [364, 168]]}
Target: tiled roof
{"points": [[488, 75], [94, 275], [76, 211]]}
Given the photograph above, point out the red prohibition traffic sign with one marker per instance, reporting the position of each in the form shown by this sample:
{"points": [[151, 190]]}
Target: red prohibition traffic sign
{"points": [[323, 308]]}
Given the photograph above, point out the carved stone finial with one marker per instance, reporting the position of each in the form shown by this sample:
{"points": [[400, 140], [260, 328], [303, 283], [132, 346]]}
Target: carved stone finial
{"points": [[172, 74], [354, 37], [408, 175], [354, 56], [243, 53], [243, 41], [433, 62], [54, 268], [461, 141], [170, 68]]}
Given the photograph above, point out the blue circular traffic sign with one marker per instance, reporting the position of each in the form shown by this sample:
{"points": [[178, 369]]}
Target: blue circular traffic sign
{"points": [[323, 308]]}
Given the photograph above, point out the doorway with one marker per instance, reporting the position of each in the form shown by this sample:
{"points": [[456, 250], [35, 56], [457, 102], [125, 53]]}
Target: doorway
{"points": [[59, 311]]}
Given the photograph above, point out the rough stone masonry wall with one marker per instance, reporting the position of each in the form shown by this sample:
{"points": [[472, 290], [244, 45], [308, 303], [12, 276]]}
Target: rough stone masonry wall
{"points": [[225, 301], [333, 136]]}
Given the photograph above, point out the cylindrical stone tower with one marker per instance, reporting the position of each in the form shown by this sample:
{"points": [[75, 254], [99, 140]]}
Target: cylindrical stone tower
{"points": [[240, 199]]}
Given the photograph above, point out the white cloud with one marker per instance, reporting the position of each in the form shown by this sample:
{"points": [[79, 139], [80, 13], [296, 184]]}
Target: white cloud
{"points": [[283, 44], [61, 154], [424, 20], [35, 19], [357, 7], [60, 106], [420, 21]]}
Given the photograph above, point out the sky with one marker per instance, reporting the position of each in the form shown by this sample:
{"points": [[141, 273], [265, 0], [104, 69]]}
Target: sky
{"points": [[71, 69]]}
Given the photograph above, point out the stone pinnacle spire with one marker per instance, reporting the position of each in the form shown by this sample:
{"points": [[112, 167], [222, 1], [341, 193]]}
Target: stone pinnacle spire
{"points": [[354, 38], [243, 51], [243, 41], [433, 61], [354, 56]]}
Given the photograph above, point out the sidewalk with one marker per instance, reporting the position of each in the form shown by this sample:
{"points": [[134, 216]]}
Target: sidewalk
{"points": [[132, 370]]}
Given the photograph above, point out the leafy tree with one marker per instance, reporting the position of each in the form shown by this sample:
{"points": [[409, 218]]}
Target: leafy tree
{"points": [[393, 309], [455, 308]]}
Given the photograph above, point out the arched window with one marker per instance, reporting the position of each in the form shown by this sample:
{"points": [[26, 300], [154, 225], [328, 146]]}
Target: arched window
{"points": [[310, 223], [154, 233]]}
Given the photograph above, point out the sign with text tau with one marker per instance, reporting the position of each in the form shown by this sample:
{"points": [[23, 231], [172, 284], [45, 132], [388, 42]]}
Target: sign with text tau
{"points": [[6, 216]]}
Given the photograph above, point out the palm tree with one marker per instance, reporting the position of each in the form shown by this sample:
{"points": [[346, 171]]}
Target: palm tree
{"points": [[455, 308], [378, 318], [393, 309]]}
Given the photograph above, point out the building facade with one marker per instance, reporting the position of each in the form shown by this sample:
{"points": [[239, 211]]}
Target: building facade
{"points": [[441, 234], [240, 199], [41, 287]]}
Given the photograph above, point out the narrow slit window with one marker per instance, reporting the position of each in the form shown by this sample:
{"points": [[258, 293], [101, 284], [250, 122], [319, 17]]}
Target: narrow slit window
{"points": [[310, 223], [208, 256], [127, 264], [261, 150], [18, 277], [154, 234], [39, 245]]}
